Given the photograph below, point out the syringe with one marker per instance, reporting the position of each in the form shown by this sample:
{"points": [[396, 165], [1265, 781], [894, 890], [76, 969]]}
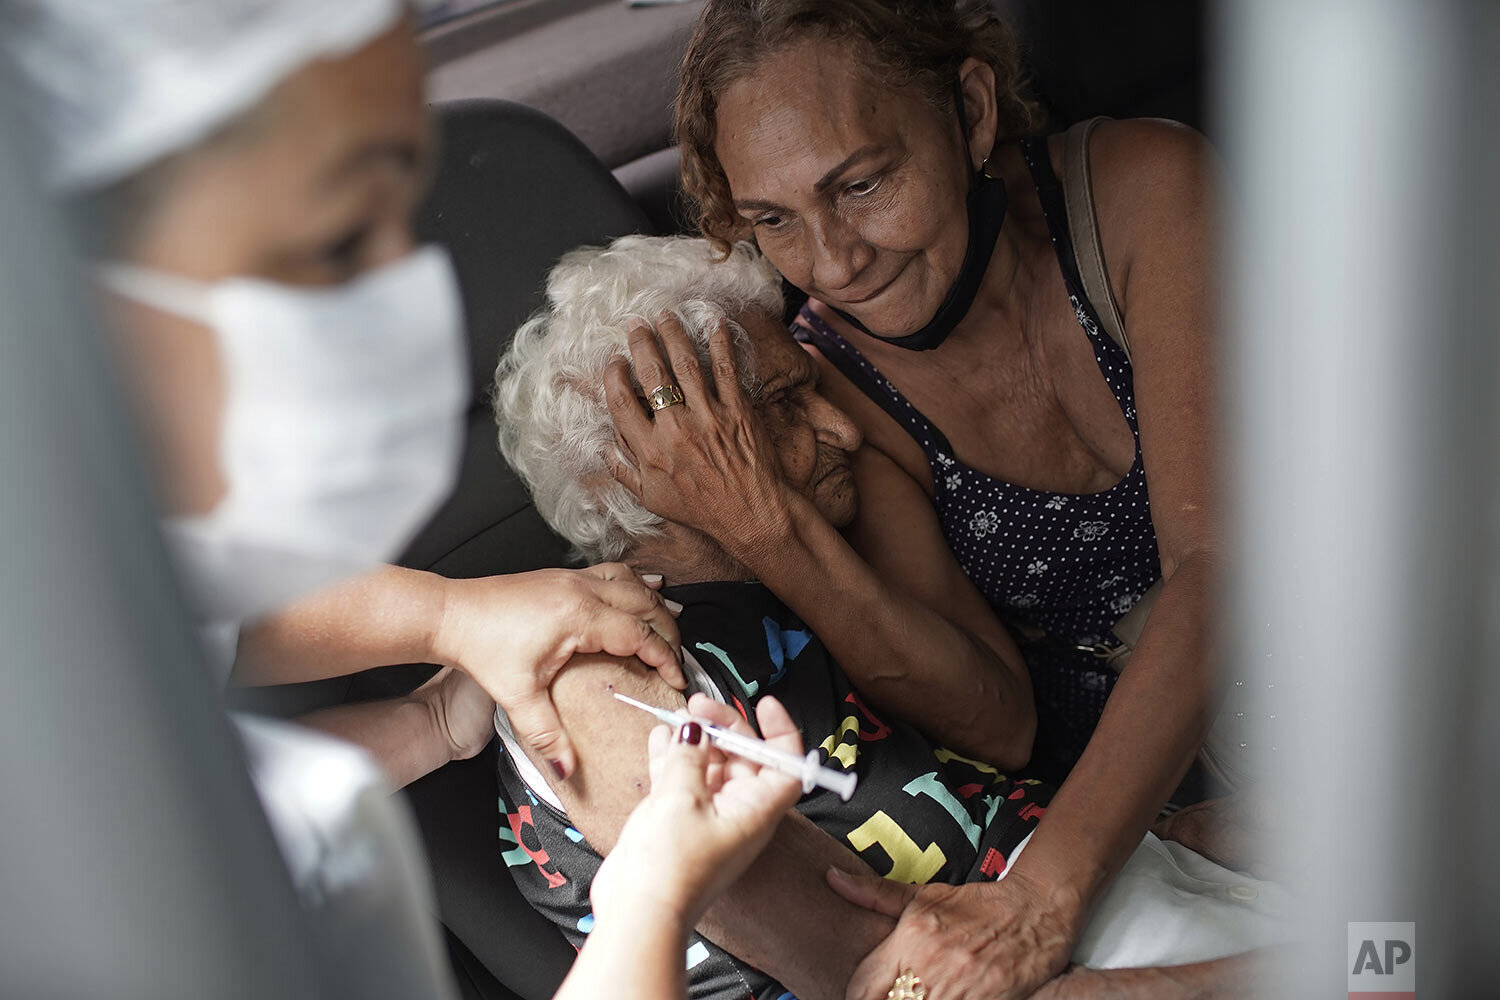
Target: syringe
{"points": [[805, 769]]}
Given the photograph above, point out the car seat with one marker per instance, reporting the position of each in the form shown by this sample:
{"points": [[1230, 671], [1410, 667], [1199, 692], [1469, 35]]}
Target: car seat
{"points": [[513, 191], [1091, 57]]}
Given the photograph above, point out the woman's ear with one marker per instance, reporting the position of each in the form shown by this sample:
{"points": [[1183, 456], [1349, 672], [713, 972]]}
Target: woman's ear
{"points": [[976, 81]]}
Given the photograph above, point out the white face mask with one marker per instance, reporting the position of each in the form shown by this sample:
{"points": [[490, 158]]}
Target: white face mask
{"points": [[342, 425]]}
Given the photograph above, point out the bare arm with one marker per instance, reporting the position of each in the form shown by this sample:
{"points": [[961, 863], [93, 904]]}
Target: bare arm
{"points": [[898, 534], [954, 673], [811, 947], [1153, 183], [641, 960], [389, 615], [511, 634], [448, 718]]}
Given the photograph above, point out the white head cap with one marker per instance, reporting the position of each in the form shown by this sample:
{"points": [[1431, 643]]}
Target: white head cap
{"points": [[114, 85]]}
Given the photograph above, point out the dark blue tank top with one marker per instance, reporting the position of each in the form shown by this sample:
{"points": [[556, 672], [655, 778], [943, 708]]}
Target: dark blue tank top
{"points": [[1064, 564]]}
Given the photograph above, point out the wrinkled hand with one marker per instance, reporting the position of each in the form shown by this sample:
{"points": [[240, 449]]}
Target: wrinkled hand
{"points": [[461, 711], [709, 813], [513, 634], [706, 463], [988, 941]]}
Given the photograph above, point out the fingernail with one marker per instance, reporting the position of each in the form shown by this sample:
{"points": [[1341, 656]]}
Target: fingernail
{"points": [[653, 579], [557, 769], [672, 605], [691, 733]]}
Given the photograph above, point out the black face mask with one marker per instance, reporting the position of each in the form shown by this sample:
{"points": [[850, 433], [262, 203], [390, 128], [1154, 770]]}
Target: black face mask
{"points": [[987, 202]]}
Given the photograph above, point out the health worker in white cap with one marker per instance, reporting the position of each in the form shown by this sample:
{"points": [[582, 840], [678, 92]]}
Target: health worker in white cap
{"points": [[296, 361], [297, 366]]}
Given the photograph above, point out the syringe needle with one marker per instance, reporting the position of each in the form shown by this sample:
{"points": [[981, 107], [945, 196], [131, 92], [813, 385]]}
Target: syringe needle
{"points": [[807, 769], [669, 717]]}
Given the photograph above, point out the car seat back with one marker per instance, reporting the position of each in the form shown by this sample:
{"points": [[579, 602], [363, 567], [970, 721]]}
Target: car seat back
{"points": [[514, 190]]}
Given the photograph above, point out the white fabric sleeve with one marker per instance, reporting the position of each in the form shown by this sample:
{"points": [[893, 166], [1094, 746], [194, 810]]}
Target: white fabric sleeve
{"points": [[1172, 906]]}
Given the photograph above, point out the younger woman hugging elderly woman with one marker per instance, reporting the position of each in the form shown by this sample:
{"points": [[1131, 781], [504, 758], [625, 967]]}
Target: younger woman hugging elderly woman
{"points": [[882, 155], [933, 827]]}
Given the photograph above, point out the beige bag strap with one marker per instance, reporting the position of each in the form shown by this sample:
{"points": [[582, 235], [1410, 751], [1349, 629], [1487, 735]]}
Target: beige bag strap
{"points": [[1088, 250], [1083, 226]]}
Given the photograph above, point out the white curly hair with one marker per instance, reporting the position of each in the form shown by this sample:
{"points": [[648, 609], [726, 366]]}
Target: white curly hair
{"points": [[555, 429]]}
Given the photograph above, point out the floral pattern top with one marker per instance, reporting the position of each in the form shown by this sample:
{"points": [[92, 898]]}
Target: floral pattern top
{"points": [[1068, 565]]}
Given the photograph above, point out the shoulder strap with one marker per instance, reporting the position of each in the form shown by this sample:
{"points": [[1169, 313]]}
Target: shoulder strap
{"points": [[812, 328], [1083, 226]]}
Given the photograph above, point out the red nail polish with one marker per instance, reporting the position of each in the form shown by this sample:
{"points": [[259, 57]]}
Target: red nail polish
{"points": [[557, 769], [691, 733]]}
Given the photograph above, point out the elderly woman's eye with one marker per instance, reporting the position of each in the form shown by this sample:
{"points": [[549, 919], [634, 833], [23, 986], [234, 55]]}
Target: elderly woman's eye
{"points": [[769, 222], [862, 187]]}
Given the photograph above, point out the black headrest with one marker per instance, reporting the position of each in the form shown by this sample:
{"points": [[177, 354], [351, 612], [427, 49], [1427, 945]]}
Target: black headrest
{"points": [[1100, 57], [514, 190]]}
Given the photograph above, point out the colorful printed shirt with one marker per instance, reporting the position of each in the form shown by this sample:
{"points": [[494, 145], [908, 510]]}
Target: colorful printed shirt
{"points": [[920, 813]]}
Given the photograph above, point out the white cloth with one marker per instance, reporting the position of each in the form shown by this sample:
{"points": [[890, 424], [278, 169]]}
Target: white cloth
{"points": [[113, 85], [354, 855], [342, 430], [309, 783], [221, 644], [1171, 906]]}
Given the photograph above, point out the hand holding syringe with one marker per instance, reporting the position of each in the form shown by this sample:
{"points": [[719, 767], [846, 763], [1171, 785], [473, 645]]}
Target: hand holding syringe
{"points": [[805, 769]]}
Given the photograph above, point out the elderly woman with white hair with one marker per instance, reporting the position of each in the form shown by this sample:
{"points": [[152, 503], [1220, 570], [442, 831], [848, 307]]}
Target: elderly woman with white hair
{"points": [[956, 674], [810, 909]]}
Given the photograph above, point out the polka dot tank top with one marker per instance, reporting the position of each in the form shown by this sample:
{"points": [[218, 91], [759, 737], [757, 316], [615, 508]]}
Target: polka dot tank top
{"points": [[1067, 565]]}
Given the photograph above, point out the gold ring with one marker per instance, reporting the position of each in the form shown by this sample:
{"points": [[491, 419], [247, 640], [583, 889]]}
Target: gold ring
{"points": [[665, 395], [907, 987]]}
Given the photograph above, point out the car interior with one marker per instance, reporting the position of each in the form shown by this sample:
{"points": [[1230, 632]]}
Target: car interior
{"points": [[157, 846], [584, 87]]}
